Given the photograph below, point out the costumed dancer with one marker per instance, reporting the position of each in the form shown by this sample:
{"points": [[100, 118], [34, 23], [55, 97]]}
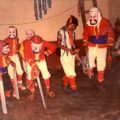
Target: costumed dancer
{"points": [[4, 62], [34, 52], [66, 43], [13, 42], [98, 40], [29, 34]]}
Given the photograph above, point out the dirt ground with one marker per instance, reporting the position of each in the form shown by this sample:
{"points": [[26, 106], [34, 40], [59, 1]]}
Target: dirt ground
{"points": [[90, 104]]}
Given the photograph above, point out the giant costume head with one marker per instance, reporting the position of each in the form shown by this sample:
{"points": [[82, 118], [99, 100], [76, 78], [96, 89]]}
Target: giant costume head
{"points": [[4, 47], [94, 17], [12, 32], [36, 44], [30, 33]]}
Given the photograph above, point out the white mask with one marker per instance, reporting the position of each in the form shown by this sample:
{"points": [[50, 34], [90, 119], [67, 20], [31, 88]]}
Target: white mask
{"points": [[29, 34], [12, 32], [5, 50], [36, 47], [94, 17]]}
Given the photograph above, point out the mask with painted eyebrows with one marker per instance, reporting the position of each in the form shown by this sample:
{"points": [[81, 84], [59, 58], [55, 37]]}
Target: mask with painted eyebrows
{"points": [[30, 33], [93, 18], [12, 32]]}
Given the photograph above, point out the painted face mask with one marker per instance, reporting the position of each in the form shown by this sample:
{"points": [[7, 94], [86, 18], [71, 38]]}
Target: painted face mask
{"points": [[5, 50], [36, 47], [93, 18], [30, 33], [12, 32]]}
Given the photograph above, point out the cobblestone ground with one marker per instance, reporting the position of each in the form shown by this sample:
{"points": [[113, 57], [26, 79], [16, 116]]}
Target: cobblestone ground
{"points": [[90, 104]]}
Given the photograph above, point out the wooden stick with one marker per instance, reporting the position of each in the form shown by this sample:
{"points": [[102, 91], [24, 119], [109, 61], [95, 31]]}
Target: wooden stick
{"points": [[16, 91], [41, 92], [2, 94]]}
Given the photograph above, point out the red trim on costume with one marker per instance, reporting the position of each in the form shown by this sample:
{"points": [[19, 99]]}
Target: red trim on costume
{"points": [[13, 43], [104, 29], [71, 37], [72, 83], [31, 85], [13, 82], [30, 56], [100, 76], [19, 78], [99, 45], [65, 80], [47, 83], [8, 93]]}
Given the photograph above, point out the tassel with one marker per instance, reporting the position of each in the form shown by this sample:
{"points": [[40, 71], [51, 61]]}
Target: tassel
{"points": [[41, 5], [40, 9], [35, 9], [44, 7], [49, 2]]}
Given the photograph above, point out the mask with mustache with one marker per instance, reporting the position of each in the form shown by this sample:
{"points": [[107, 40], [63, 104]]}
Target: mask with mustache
{"points": [[93, 22], [94, 17]]}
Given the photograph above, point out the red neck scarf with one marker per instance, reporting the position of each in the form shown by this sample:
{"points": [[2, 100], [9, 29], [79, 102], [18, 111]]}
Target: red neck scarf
{"points": [[71, 38]]}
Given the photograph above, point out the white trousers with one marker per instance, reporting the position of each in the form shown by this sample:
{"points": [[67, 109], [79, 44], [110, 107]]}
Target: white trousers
{"points": [[98, 54], [19, 70], [42, 67], [68, 64]]}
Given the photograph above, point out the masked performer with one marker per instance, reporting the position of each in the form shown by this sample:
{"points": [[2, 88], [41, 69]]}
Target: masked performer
{"points": [[34, 52], [13, 41], [98, 39]]}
